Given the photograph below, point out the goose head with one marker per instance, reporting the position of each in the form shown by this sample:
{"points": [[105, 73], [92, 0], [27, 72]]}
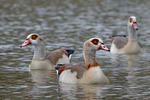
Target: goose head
{"points": [[33, 39], [95, 44], [89, 51], [132, 23]]}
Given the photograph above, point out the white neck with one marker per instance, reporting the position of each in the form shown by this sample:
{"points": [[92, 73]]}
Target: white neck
{"points": [[39, 51], [132, 33]]}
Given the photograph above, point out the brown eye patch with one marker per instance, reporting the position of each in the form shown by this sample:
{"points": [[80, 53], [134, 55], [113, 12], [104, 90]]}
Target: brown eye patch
{"points": [[95, 41], [33, 37], [131, 20]]}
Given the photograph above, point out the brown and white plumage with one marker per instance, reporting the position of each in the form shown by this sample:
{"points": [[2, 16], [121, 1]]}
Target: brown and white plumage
{"points": [[88, 73], [43, 59], [55, 55], [130, 45]]}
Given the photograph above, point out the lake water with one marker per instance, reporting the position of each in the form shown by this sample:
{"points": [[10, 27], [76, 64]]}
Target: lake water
{"points": [[67, 24]]}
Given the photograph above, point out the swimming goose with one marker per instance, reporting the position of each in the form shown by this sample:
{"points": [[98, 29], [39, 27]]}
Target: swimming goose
{"points": [[88, 73], [122, 45], [43, 59]]}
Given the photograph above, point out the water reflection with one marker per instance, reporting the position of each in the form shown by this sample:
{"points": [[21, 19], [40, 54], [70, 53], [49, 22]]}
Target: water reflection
{"points": [[132, 67], [88, 92], [132, 76], [43, 76], [43, 83], [128, 64], [93, 92]]}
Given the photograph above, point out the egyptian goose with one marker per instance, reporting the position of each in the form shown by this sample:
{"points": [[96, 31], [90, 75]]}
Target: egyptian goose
{"points": [[88, 73], [122, 45], [43, 59]]}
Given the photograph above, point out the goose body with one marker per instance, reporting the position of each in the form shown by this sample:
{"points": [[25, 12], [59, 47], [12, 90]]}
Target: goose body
{"points": [[88, 73], [42, 59], [130, 45]]}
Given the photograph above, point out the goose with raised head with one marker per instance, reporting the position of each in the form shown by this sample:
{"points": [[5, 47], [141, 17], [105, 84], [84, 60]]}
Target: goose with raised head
{"points": [[130, 45], [88, 73], [43, 59]]}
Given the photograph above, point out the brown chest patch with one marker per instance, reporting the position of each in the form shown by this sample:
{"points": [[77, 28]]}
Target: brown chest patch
{"points": [[61, 69], [92, 65]]}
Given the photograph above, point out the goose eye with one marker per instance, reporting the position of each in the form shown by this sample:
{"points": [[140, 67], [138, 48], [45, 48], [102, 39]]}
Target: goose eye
{"points": [[95, 41], [131, 20], [33, 37]]}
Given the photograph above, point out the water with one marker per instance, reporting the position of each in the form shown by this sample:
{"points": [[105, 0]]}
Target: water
{"points": [[67, 24]]}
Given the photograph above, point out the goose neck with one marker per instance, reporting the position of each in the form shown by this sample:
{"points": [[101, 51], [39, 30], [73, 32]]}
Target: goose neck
{"points": [[39, 51], [90, 58], [132, 33]]}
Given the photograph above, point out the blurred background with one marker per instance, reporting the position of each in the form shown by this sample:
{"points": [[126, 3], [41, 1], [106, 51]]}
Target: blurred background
{"points": [[67, 24]]}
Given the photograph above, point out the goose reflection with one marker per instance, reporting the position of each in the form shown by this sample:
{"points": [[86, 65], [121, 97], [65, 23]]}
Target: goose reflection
{"points": [[43, 76], [44, 82], [132, 67], [133, 79], [87, 92]]}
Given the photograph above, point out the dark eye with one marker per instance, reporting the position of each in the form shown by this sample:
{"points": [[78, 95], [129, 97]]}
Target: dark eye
{"points": [[33, 37], [95, 41], [131, 20]]}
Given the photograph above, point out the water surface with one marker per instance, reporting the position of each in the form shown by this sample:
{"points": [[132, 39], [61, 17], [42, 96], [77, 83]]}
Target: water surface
{"points": [[67, 24]]}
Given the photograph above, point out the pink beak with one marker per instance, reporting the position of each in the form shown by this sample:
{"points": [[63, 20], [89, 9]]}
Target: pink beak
{"points": [[27, 42], [103, 47], [134, 25]]}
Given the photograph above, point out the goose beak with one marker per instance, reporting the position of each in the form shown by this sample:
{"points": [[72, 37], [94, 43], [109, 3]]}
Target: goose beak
{"points": [[134, 25], [103, 47], [27, 42]]}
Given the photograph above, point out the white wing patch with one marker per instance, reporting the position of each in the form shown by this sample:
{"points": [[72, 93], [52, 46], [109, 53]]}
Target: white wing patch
{"points": [[63, 60], [113, 48], [68, 77]]}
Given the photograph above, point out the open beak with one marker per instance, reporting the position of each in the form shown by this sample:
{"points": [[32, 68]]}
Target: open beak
{"points": [[27, 42], [134, 25], [103, 47]]}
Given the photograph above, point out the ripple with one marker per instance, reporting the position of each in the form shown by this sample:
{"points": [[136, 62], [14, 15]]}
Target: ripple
{"points": [[67, 24]]}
